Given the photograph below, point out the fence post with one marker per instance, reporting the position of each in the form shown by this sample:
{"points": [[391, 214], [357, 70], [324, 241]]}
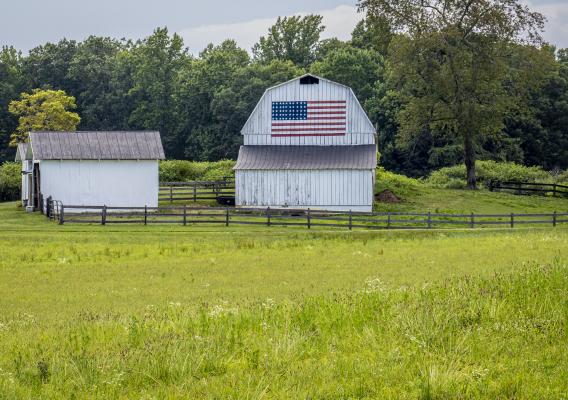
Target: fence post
{"points": [[472, 221], [184, 215], [195, 192], [308, 216], [388, 220], [554, 190], [268, 216], [554, 219], [512, 220], [227, 216], [171, 193], [62, 215], [145, 215], [429, 220], [104, 215], [350, 220]]}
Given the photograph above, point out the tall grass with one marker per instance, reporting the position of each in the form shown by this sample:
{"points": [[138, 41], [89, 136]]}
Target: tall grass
{"points": [[479, 338]]}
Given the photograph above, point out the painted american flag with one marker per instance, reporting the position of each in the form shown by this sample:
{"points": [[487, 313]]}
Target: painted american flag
{"points": [[309, 118]]}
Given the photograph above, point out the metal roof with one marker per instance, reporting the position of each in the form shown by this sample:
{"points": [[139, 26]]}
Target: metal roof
{"points": [[114, 145], [21, 151], [306, 157]]}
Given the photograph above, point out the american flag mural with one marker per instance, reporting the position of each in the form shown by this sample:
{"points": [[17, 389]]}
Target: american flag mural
{"points": [[309, 118]]}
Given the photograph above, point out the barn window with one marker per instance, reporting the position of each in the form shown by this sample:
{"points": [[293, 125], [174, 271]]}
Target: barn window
{"points": [[309, 80]]}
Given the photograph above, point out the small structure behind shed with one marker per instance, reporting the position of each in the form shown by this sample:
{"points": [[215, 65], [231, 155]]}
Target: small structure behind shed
{"points": [[307, 144], [118, 169]]}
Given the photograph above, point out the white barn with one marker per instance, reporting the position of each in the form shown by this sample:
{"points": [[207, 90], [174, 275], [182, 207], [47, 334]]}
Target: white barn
{"points": [[307, 144], [117, 169]]}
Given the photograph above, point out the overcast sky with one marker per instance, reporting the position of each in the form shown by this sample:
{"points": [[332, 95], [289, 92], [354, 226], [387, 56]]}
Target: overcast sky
{"points": [[28, 23]]}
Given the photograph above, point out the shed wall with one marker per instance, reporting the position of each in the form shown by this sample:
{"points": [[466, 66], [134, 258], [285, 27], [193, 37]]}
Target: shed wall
{"points": [[341, 190], [257, 130], [97, 183]]}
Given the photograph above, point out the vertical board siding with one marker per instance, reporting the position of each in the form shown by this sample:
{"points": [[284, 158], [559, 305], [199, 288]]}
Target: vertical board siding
{"points": [[95, 183], [257, 130], [317, 189]]}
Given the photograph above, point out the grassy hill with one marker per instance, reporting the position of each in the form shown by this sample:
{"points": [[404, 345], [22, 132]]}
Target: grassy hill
{"points": [[418, 195]]}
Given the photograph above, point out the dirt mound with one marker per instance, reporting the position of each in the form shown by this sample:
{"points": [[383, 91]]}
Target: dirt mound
{"points": [[386, 196]]}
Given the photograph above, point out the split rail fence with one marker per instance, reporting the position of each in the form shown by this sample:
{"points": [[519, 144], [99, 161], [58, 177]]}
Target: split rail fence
{"points": [[196, 190], [227, 216], [527, 188]]}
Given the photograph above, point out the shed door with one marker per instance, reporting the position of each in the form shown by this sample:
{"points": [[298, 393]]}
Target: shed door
{"points": [[36, 187]]}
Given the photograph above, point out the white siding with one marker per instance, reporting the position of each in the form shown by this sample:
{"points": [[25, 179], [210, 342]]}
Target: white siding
{"points": [[257, 130], [341, 190], [97, 183]]}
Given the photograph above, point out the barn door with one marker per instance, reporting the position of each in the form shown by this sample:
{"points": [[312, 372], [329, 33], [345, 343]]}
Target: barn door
{"points": [[36, 187]]}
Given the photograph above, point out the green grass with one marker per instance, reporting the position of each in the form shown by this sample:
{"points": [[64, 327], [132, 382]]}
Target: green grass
{"points": [[214, 312], [418, 196]]}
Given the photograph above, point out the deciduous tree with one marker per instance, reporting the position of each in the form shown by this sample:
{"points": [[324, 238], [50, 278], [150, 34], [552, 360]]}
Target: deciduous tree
{"points": [[292, 38], [453, 61], [43, 110]]}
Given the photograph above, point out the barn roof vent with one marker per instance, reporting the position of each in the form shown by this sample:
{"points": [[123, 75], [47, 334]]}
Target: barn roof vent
{"points": [[309, 80]]}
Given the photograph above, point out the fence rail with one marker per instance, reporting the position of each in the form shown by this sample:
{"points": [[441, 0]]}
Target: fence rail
{"points": [[185, 216], [197, 190], [525, 188]]}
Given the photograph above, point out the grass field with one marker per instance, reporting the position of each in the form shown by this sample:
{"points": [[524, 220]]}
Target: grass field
{"points": [[173, 312]]}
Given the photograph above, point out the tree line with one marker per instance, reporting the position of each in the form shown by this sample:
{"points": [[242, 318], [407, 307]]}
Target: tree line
{"points": [[444, 81]]}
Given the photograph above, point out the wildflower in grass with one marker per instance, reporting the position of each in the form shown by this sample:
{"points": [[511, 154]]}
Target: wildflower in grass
{"points": [[374, 286]]}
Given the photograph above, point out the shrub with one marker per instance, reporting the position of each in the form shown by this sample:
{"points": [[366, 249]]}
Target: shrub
{"points": [[400, 185], [10, 181], [185, 171], [455, 177]]}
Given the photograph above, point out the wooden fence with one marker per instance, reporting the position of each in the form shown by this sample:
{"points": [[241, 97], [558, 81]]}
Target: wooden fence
{"points": [[196, 190], [525, 188], [301, 218]]}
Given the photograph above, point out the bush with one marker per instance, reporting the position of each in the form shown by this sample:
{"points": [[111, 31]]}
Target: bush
{"points": [[400, 185], [10, 181], [455, 177], [186, 171]]}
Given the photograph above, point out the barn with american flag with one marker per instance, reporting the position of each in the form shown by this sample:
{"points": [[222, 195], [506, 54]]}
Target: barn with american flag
{"points": [[307, 144]]}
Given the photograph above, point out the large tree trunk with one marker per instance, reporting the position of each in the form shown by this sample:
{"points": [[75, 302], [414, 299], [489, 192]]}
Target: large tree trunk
{"points": [[469, 158]]}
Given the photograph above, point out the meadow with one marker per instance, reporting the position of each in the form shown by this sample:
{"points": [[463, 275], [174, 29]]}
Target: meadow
{"points": [[210, 312]]}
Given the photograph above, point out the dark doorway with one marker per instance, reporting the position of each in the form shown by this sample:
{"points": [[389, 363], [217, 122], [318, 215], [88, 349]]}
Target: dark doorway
{"points": [[37, 187]]}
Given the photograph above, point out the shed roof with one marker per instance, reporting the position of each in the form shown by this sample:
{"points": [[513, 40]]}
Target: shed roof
{"points": [[100, 145], [307, 157], [21, 151]]}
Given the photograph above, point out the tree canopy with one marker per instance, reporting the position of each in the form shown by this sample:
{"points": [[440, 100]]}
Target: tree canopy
{"points": [[427, 81], [43, 110], [456, 64]]}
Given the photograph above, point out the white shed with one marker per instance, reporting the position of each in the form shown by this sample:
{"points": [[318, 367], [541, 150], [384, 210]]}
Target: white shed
{"points": [[117, 169], [307, 144]]}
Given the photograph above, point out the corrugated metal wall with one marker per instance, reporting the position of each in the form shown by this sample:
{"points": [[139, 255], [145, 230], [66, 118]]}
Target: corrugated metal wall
{"points": [[257, 130], [341, 190]]}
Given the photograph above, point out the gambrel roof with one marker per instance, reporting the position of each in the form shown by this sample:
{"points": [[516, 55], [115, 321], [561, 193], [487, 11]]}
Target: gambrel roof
{"points": [[308, 87], [99, 145]]}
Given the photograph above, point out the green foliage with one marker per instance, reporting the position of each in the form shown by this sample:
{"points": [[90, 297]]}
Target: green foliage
{"points": [[455, 177], [293, 39], [10, 181], [457, 79], [43, 110], [200, 103], [402, 186], [11, 85], [357, 68], [185, 171]]}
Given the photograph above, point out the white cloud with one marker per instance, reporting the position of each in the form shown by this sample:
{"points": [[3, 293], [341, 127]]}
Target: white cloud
{"points": [[556, 29], [339, 23]]}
